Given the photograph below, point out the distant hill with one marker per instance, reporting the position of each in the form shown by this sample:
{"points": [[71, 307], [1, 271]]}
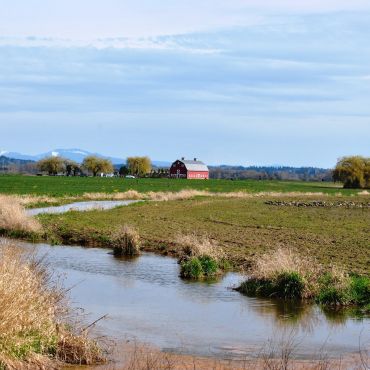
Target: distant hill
{"points": [[5, 161], [16, 165]]}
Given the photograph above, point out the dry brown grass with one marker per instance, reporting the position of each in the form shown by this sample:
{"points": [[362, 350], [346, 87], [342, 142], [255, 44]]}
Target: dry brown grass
{"points": [[281, 260], [128, 195], [78, 349], [199, 246], [126, 241], [33, 314], [185, 194], [28, 307], [271, 265], [13, 216]]}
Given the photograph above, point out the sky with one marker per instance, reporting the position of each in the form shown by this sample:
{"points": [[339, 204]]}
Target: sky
{"points": [[247, 82]]}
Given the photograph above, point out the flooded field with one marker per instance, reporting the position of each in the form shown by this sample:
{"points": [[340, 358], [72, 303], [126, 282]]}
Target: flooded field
{"points": [[146, 300]]}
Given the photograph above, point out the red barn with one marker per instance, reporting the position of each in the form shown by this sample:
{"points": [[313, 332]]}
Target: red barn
{"points": [[185, 169]]}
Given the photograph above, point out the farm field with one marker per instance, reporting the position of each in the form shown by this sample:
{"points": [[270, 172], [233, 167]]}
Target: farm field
{"points": [[74, 186], [245, 228]]}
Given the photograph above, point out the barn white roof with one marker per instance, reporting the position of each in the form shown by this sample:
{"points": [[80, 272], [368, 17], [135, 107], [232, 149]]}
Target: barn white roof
{"points": [[194, 165]]}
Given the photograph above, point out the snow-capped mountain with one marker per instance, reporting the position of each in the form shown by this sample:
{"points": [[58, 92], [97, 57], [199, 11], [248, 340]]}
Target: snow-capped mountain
{"points": [[74, 154]]}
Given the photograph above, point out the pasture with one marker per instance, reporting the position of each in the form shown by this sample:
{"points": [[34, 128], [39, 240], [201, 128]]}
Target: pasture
{"points": [[245, 228], [74, 186]]}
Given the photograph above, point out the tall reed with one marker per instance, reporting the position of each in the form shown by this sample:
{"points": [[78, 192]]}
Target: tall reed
{"points": [[13, 216], [34, 315]]}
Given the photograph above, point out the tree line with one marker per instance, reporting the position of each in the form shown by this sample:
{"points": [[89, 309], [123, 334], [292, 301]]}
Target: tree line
{"points": [[136, 166]]}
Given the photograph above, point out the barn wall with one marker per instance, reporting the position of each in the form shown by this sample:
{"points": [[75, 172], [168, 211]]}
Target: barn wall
{"points": [[178, 170], [198, 175]]}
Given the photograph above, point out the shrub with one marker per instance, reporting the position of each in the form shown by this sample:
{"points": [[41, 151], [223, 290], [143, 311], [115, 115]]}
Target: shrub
{"points": [[126, 242]]}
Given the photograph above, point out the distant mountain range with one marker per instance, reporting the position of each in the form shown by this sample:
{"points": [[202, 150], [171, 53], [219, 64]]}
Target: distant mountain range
{"points": [[76, 155]]}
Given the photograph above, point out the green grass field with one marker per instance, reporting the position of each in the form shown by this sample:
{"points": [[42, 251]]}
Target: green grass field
{"points": [[74, 186], [244, 227]]}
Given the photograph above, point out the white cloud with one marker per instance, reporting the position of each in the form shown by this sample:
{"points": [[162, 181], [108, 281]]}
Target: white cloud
{"points": [[93, 19]]}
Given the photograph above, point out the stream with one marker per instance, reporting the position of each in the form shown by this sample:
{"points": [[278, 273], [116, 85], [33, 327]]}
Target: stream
{"points": [[145, 300]]}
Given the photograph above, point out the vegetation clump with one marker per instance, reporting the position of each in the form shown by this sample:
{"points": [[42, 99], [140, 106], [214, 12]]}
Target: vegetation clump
{"points": [[13, 216], [345, 291], [97, 165], [126, 242], [33, 317], [354, 172], [138, 166], [200, 257], [285, 274]]}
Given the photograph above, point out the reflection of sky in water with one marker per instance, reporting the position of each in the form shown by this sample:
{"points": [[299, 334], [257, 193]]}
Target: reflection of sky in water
{"points": [[145, 299], [81, 206]]}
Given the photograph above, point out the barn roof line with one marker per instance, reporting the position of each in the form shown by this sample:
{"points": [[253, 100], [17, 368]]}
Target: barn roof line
{"points": [[194, 165]]}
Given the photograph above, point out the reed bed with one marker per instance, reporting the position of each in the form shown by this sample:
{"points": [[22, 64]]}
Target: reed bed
{"points": [[287, 274], [34, 314], [13, 216]]}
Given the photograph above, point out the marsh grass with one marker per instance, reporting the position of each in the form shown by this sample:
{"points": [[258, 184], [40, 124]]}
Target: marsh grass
{"points": [[13, 216], [200, 257], [286, 274], [126, 241], [33, 316]]}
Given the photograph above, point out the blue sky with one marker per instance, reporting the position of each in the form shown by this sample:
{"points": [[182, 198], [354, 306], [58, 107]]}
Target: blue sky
{"points": [[239, 82]]}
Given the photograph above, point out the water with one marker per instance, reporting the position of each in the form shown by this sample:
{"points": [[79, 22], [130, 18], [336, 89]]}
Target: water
{"points": [[81, 206], [146, 300]]}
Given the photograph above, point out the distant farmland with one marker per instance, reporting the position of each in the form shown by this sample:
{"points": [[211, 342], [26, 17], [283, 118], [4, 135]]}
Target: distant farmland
{"points": [[61, 186]]}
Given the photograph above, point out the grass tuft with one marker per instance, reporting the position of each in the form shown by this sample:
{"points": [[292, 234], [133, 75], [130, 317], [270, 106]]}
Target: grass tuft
{"points": [[200, 257], [126, 242]]}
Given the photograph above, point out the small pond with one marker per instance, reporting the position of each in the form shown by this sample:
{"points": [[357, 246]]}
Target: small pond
{"points": [[81, 206], [146, 300]]}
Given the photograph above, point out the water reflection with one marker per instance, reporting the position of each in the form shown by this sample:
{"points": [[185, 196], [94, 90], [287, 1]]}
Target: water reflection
{"points": [[81, 206], [146, 300]]}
